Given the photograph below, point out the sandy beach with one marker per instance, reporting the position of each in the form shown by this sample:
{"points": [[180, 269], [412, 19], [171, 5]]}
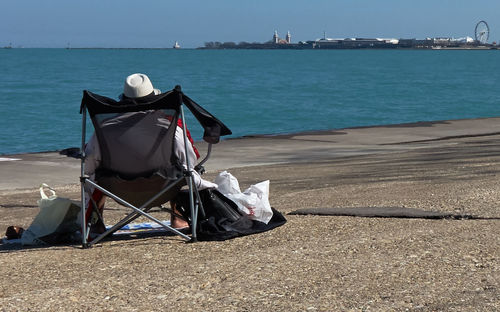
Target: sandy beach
{"points": [[312, 263]]}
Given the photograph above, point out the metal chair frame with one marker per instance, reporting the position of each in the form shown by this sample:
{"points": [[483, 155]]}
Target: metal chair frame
{"points": [[195, 202]]}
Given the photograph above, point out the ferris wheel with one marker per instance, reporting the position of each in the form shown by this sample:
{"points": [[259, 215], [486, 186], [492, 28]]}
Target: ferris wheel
{"points": [[482, 32]]}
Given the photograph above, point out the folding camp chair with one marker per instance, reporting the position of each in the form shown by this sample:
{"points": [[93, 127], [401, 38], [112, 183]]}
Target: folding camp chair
{"points": [[139, 168]]}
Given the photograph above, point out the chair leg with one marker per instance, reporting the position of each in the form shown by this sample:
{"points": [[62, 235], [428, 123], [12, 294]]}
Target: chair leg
{"points": [[142, 210]]}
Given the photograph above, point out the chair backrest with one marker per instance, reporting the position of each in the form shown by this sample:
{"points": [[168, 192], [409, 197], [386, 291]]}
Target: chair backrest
{"points": [[137, 136], [137, 144]]}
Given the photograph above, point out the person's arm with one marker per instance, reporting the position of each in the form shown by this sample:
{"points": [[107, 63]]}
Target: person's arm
{"points": [[181, 153], [92, 161], [92, 156], [180, 150], [190, 139]]}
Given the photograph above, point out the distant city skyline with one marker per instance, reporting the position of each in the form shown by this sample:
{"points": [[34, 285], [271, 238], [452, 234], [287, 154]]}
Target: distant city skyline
{"points": [[159, 24]]}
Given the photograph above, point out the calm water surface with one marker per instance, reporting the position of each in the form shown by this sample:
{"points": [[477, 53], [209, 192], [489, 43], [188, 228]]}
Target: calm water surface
{"points": [[252, 91]]}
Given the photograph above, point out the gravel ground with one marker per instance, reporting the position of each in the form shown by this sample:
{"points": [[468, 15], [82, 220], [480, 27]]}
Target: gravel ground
{"points": [[312, 263]]}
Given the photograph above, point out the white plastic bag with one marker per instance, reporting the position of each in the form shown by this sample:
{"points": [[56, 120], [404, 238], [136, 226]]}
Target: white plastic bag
{"points": [[254, 201], [58, 218]]}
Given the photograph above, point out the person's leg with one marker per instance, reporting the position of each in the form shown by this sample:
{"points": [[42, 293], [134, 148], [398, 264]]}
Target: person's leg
{"points": [[176, 222], [95, 216]]}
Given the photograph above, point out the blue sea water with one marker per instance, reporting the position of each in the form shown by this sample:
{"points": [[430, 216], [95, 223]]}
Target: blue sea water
{"points": [[251, 91]]}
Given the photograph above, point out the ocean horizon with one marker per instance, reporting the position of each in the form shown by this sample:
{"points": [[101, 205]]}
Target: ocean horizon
{"points": [[254, 92]]}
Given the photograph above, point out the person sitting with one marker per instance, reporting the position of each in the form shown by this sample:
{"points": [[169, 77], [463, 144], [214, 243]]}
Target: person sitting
{"points": [[139, 87]]}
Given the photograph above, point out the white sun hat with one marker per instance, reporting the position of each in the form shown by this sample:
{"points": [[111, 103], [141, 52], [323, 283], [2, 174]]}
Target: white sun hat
{"points": [[138, 85]]}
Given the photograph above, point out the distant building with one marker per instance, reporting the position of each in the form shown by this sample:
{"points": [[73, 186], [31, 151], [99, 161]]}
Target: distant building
{"points": [[354, 43], [278, 40], [275, 37], [465, 40]]}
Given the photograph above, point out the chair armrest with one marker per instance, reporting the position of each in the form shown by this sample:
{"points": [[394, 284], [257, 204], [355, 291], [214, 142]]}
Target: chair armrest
{"points": [[199, 167]]}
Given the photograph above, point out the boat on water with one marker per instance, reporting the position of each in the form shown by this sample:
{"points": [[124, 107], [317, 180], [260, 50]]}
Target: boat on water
{"points": [[176, 45]]}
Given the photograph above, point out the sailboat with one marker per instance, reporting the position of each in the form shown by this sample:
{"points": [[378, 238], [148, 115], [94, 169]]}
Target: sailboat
{"points": [[176, 45]]}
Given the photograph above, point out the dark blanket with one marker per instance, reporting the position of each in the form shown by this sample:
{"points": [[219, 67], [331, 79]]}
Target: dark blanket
{"points": [[221, 219]]}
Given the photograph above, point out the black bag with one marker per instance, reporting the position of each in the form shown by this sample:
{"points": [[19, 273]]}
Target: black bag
{"points": [[219, 206], [219, 219]]}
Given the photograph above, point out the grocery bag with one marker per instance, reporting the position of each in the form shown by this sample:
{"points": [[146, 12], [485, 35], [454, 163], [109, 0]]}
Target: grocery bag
{"points": [[254, 201], [56, 221]]}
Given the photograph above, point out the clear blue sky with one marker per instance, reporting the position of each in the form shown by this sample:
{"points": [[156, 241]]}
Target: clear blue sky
{"points": [[159, 23]]}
